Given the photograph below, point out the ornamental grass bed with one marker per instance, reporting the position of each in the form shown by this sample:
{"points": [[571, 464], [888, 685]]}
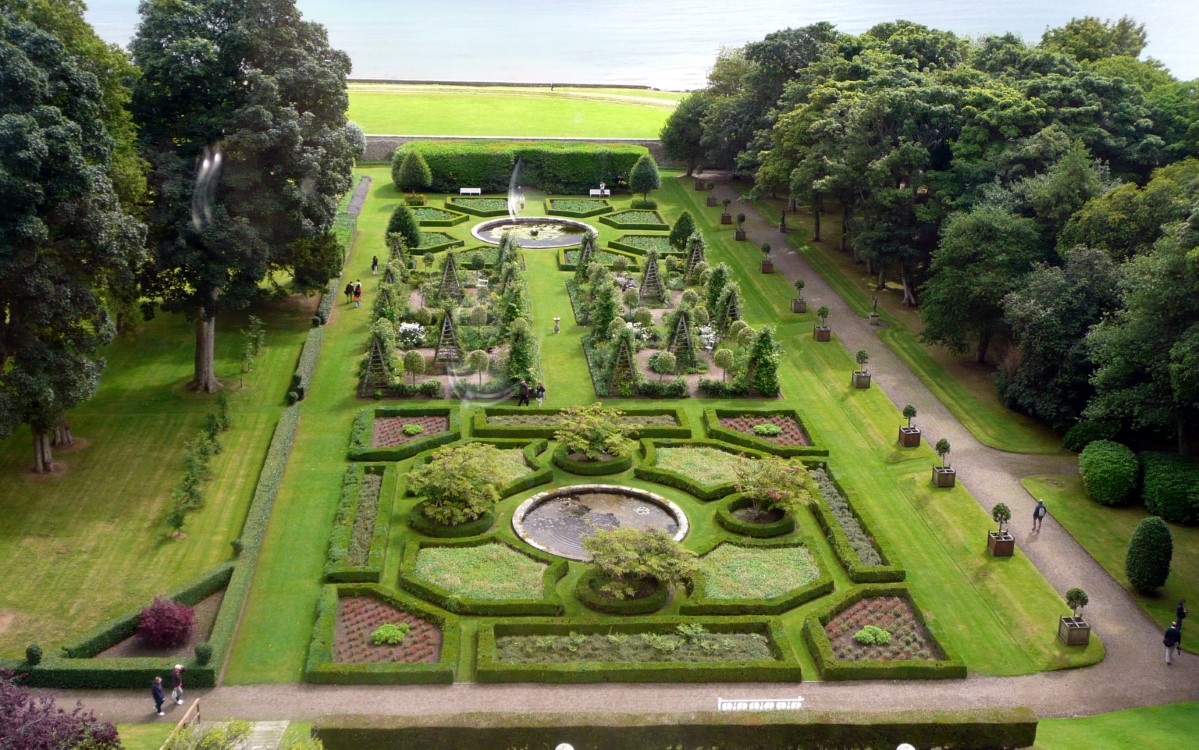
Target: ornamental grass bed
{"points": [[792, 433], [389, 431], [735, 572], [428, 213], [702, 464], [359, 616], [512, 466], [897, 616], [488, 571], [862, 543], [659, 243], [363, 532], [688, 643]]}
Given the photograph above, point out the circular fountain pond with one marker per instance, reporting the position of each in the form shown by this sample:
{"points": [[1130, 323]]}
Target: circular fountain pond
{"points": [[557, 521], [534, 232]]}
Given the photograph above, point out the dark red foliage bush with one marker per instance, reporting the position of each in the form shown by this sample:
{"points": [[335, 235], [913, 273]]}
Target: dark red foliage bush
{"points": [[166, 623], [36, 723]]}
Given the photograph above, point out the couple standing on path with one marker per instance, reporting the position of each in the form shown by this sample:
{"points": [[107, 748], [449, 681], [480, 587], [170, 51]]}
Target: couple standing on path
{"points": [[1173, 637], [538, 392], [156, 690], [353, 292]]}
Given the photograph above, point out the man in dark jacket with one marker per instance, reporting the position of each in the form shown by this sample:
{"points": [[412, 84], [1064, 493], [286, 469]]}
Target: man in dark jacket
{"points": [[159, 695], [1172, 641]]}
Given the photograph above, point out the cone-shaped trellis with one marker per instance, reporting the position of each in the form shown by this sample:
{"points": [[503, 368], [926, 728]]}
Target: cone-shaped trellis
{"points": [[651, 280], [682, 345], [395, 245], [624, 368], [375, 378], [449, 287], [389, 274], [730, 309], [507, 249], [447, 350], [586, 252], [696, 255], [507, 275]]}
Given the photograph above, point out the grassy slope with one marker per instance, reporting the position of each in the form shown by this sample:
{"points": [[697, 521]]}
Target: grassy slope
{"points": [[89, 540], [503, 111], [1173, 725], [144, 736], [963, 386], [997, 614], [1105, 532]]}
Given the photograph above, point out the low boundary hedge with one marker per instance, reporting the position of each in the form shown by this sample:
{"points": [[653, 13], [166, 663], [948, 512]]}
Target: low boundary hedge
{"points": [[548, 605], [737, 501], [858, 572], [585, 593], [632, 249], [712, 419], [566, 265], [449, 244], [337, 570], [985, 729], [551, 211], [421, 524], [785, 667], [831, 668], [613, 465], [480, 427], [364, 426], [699, 604], [453, 203], [457, 218], [648, 471], [321, 668], [540, 474], [613, 220], [301, 379]]}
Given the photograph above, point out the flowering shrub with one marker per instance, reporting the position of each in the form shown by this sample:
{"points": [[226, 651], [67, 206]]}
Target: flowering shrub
{"points": [[872, 634], [642, 333], [768, 429], [166, 623], [708, 337], [390, 634], [410, 335], [413, 429], [861, 543]]}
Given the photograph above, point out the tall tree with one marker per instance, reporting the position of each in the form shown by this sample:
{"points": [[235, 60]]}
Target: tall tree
{"points": [[64, 238], [682, 131], [1089, 38], [242, 108], [644, 176]]}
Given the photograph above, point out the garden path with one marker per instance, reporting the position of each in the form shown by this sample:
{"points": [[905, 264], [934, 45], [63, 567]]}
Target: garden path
{"points": [[1133, 674]]}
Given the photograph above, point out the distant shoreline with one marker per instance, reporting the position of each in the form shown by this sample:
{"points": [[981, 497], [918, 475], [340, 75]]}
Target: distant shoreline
{"points": [[524, 84]]}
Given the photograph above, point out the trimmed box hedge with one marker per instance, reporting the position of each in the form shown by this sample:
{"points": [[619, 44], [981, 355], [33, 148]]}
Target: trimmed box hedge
{"points": [[614, 220], [584, 591], [858, 571], [455, 218], [480, 427], [588, 468], [568, 265], [738, 501], [604, 208], [420, 523], [984, 729], [540, 474], [364, 426], [712, 419], [468, 205], [320, 667], [337, 569], [948, 668], [301, 379], [784, 668], [698, 604], [548, 605], [647, 470]]}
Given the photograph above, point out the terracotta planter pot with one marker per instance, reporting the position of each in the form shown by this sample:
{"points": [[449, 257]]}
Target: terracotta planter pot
{"points": [[799, 306], [699, 186], [1001, 544], [943, 476], [909, 437], [739, 235], [861, 379], [768, 266], [712, 201], [726, 218], [822, 333], [1074, 631]]}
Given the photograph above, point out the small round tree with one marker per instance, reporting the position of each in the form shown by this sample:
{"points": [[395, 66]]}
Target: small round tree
{"points": [[663, 363], [404, 223], [689, 298], [723, 358], [615, 328], [414, 173], [644, 176], [862, 358], [458, 481], [478, 316], [799, 286], [766, 250], [630, 298], [1001, 514], [630, 560], [620, 264], [166, 623], [593, 431], [1076, 599], [1109, 472], [822, 313], [478, 361], [942, 449], [740, 221], [643, 316], [682, 231], [414, 363], [909, 412], [775, 483], [1150, 551], [725, 202]]}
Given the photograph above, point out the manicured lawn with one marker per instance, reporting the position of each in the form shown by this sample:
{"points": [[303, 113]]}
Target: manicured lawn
{"points": [[489, 571], [145, 736], [510, 111], [1105, 532], [89, 540], [1173, 725], [733, 572], [702, 464]]}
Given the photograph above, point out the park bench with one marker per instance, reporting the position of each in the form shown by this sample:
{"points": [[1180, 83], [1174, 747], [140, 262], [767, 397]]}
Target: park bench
{"points": [[598, 193], [470, 191]]}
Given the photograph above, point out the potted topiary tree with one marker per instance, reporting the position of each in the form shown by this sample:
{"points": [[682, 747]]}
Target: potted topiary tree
{"points": [[909, 437], [767, 263], [739, 235], [1001, 543], [861, 376], [712, 200], [799, 304], [725, 216], [943, 476], [1075, 631], [822, 332]]}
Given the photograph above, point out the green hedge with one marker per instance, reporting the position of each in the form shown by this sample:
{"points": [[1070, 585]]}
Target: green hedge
{"points": [[337, 570], [986, 729], [457, 218], [321, 668], [364, 425], [566, 265], [541, 472], [329, 297], [585, 593], [561, 167], [1171, 486], [698, 604], [785, 667], [551, 211], [737, 501], [858, 572], [460, 204], [480, 427], [613, 220], [448, 244], [301, 379], [421, 524], [648, 471], [550, 604], [628, 247], [1109, 472], [587, 468], [950, 667], [712, 419]]}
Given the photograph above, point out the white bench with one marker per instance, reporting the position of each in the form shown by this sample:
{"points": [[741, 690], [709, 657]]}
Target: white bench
{"points": [[597, 193], [470, 191]]}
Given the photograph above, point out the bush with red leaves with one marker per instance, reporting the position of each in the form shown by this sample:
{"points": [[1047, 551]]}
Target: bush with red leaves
{"points": [[36, 723], [166, 623]]}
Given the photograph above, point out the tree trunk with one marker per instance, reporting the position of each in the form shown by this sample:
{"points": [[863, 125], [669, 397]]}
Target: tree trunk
{"points": [[205, 373], [984, 343], [816, 219], [62, 432], [882, 278], [1184, 444], [909, 296], [690, 167], [845, 230], [43, 458]]}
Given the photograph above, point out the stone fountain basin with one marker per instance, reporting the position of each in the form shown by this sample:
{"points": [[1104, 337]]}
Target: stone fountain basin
{"points": [[533, 231]]}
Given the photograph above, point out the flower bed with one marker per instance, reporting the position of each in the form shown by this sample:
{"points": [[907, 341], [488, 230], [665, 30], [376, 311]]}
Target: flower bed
{"points": [[703, 468], [359, 616], [358, 544], [432, 242], [703, 464], [732, 571], [362, 432], [488, 571], [641, 244], [504, 421], [568, 259], [364, 520], [465, 257], [636, 648], [862, 543], [791, 431], [478, 206], [437, 217], [388, 432], [896, 616], [737, 426], [644, 220], [577, 207]]}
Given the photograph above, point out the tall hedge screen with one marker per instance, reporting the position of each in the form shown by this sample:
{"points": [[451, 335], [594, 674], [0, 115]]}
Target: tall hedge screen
{"points": [[1109, 472], [559, 167]]}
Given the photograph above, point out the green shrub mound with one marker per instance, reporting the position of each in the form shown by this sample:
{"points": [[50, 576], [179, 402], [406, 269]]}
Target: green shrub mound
{"points": [[585, 591], [768, 729], [422, 524], [558, 167], [1150, 550], [1171, 486], [1109, 472], [1084, 433]]}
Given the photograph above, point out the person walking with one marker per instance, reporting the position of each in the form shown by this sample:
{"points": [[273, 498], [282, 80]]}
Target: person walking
{"points": [[1038, 515], [539, 392], [177, 684], [159, 695], [374, 265], [1180, 613], [524, 394], [357, 294], [1172, 641], [349, 292]]}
